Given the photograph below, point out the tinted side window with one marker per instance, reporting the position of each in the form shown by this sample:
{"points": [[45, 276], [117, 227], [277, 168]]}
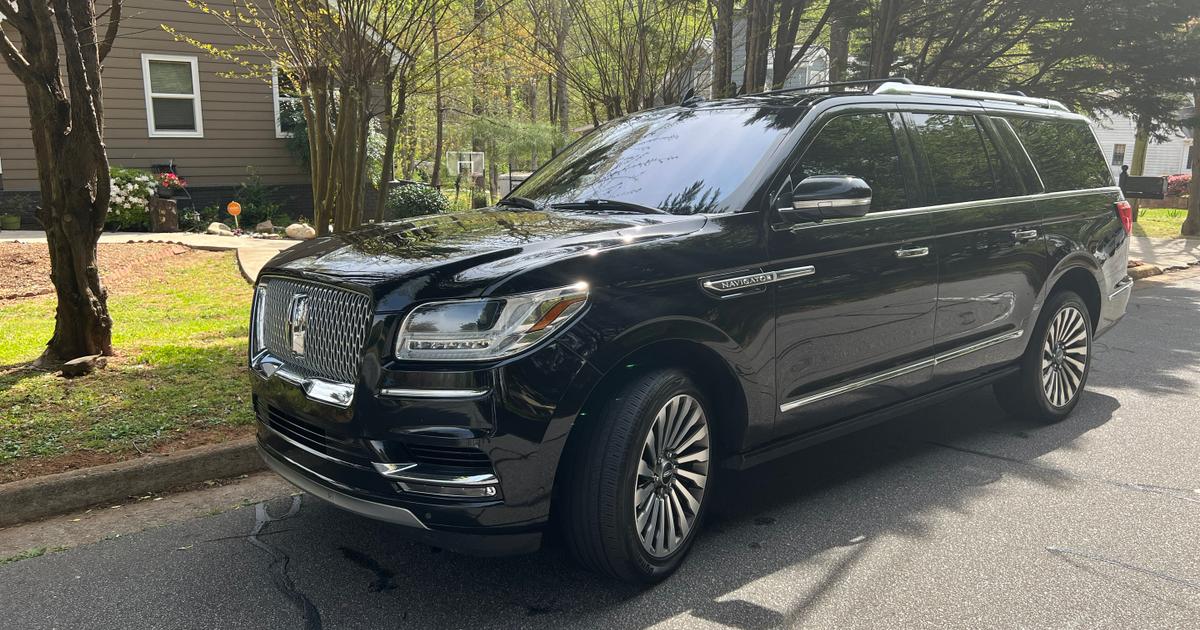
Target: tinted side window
{"points": [[861, 145], [1065, 153], [957, 157]]}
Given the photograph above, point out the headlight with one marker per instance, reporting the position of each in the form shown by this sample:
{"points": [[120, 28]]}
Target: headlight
{"points": [[490, 328]]}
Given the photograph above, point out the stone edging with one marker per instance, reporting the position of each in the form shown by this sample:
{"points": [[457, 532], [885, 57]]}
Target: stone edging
{"points": [[40, 497]]}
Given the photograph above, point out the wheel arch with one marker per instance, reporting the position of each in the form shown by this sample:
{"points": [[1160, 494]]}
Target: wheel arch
{"points": [[1077, 275], [711, 372]]}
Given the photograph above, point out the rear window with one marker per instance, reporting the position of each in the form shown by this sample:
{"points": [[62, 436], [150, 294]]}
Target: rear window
{"points": [[1065, 153]]}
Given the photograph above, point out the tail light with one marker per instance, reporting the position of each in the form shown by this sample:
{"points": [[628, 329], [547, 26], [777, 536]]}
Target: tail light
{"points": [[1125, 211]]}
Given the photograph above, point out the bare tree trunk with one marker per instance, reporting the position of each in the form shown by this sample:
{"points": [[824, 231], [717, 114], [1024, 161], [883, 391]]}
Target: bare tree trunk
{"points": [[562, 102], [758, 37], [439, 114], [397, 95], [532, 102], [883, 38], [839, 42], [1191, 225], [1137, 167], [722, 61], [68, 129]]}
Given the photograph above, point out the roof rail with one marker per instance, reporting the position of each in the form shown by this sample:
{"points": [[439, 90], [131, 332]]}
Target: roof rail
{"points": [[892, 87], [814, 86]]}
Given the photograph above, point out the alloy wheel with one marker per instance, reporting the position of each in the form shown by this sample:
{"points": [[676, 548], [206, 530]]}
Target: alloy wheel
{"points": [[1065, 356], [672, 474]]}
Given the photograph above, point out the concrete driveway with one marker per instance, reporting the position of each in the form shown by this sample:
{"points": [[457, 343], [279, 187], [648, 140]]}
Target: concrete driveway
{"points": [[957, 516], [252, 253]]}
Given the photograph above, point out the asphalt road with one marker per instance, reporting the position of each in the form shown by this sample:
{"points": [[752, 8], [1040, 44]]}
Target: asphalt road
{"points": [[953, 517]]}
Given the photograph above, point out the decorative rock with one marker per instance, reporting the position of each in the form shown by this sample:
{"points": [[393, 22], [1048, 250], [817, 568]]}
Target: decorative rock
{"points": [[219, 228], [300, 231], [266, 227], [83, 366]]}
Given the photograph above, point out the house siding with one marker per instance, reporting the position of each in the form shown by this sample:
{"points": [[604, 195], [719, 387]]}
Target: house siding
{"points": [[238, 113], [1162, 158]]}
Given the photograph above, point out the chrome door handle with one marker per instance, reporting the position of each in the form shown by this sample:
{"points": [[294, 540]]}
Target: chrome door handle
{"points": [[912, 252], [1025, 235]]}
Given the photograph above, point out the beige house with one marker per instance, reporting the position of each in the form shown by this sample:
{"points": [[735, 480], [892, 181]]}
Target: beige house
{"points": [[166, 102]]}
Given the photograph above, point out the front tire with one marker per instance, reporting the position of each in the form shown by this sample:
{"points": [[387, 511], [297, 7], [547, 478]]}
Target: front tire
{"points": [[1056, 363], [635, 493]]}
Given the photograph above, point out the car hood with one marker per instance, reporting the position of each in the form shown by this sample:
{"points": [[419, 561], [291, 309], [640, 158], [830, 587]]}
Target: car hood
{"points": [[466, 252]]}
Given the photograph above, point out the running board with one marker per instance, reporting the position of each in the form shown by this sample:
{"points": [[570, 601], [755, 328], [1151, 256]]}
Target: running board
{"points": [[789, 445]]}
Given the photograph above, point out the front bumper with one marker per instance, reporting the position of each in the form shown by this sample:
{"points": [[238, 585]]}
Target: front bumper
{"points": [[411, 527], [463, 460]]}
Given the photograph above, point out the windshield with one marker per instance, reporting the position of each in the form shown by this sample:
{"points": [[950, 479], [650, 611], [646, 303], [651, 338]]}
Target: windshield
{"points": [[687, 161]]}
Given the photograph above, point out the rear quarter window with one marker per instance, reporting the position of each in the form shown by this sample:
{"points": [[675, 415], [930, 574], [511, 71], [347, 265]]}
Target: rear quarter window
{"points": [[1065, 153]]}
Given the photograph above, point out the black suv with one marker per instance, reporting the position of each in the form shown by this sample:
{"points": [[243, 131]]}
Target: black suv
{"points": [[683, 291]]}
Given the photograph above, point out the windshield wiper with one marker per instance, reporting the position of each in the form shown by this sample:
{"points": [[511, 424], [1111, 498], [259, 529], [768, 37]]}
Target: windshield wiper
{"points": [[518, 202], [607, 205]]}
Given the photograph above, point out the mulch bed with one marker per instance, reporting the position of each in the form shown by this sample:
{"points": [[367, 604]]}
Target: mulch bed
{"points": [[25, 267]]}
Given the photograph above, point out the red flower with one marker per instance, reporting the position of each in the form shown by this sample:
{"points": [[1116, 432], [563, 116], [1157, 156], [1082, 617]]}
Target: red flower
{"points": [[171, 180]]}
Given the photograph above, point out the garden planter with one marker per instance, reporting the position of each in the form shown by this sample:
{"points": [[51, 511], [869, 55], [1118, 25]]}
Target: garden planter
{"points": [[164, 192]]}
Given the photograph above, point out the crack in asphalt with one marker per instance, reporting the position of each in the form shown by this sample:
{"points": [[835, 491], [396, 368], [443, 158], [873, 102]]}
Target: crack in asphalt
{"points": [[1125, 565], [279, 564], [1167, 491]]}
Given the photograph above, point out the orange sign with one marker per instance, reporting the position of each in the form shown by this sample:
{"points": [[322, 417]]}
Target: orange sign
{"points": [[234, 208]]}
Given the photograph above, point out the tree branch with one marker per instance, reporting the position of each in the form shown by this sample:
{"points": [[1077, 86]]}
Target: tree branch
{"points": [[13, 57], [110, 34]]}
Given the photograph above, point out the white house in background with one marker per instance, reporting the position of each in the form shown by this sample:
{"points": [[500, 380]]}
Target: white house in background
{"points": [[1117, 133], [812, 68]]}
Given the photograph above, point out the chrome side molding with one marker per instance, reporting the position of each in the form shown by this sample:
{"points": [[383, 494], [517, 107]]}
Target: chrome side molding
{"points": [[900, 371], [753, 280]]}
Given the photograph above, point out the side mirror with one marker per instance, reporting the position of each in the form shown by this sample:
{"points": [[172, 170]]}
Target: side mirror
{"points": [[823, 197]]}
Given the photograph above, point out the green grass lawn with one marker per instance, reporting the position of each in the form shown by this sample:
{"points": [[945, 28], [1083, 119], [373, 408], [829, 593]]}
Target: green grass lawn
{"points": [[179, 377], [1159, 222]]}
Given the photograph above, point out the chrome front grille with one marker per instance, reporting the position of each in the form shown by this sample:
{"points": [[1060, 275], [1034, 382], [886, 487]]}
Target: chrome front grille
{"points": [[334, 332]]}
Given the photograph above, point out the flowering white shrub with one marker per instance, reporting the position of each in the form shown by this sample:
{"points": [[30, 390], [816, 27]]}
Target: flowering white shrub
{"points": [[130, 200]]}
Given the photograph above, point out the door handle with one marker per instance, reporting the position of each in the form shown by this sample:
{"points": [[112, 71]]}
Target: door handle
{"points": [[912, 252], [1025, 235]]}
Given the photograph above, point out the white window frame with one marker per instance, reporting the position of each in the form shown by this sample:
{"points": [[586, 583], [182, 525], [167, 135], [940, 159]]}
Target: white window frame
{"points": [[194, 97], [277, 99], [1112, 158]]}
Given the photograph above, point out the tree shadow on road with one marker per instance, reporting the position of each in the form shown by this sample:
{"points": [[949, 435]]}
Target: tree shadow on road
{"points": [[1156, 346]]}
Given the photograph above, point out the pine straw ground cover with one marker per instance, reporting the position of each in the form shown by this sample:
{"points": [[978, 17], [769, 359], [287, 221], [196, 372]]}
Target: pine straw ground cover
{"points": [[178, 380]]}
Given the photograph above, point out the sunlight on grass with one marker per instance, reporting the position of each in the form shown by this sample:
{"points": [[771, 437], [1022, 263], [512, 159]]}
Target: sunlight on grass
{"points": [[180, 341], [1159, 222]]}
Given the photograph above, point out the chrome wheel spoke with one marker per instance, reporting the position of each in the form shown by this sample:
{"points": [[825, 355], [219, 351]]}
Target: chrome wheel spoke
{"points": [[671, 475], [1065, 355]]}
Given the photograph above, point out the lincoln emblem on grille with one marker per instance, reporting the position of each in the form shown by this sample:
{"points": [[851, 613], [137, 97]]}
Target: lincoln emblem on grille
{"points": [[298, 321]]}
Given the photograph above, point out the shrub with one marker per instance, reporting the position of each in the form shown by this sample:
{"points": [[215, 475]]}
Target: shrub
{"points": [[1177, 185], [257, 206], [415, 200], [198, 219], [128, 207]]}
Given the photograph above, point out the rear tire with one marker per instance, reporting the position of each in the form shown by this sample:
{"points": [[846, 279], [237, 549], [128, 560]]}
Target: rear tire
{"points": [[1055, 366], [633, 495]]}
